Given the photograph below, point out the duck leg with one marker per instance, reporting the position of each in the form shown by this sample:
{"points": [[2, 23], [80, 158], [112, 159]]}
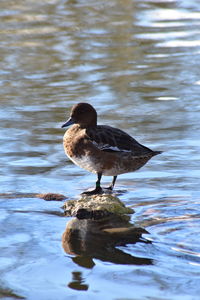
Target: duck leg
{"points": [[112, 184], [98, 189]]}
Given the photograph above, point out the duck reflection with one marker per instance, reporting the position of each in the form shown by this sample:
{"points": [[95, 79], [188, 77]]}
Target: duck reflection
{"points": [[77, 282], [96, 235]]}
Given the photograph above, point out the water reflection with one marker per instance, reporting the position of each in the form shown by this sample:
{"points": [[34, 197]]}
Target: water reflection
{"points": [[87, 239], [77, 282]]}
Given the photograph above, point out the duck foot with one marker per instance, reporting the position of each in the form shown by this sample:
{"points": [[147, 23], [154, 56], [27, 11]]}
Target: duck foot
{"points": [[96, 191], [109, 188]]}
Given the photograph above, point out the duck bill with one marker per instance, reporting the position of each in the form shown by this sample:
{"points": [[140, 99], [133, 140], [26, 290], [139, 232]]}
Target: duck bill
{"points": [[69, 122]]}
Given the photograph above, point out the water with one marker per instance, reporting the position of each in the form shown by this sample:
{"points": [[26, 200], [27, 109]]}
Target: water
{"points": [[137, 62]]}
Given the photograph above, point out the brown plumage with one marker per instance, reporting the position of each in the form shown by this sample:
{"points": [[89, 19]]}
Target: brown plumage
{"points": [[101, 149]]}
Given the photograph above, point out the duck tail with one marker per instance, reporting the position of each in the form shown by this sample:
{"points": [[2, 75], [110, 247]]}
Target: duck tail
{"points": [[157, 152]]}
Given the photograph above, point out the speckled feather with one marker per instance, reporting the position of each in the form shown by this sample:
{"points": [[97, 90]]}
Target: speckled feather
{"points": [[108, 138]]}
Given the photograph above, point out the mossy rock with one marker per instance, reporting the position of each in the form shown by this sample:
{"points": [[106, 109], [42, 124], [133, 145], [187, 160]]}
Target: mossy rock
{"points": [[103, 202]]}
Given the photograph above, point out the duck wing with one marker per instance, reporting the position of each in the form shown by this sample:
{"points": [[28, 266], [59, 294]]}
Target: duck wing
{"points": [[108, 138]]}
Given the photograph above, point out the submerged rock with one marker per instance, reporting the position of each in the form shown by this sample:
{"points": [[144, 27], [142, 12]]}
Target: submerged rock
{"points": [[51, 197], [44, 196], [104, 202]]}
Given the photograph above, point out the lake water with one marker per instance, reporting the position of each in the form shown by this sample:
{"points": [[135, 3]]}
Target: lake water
{"points": [[138, 63]]}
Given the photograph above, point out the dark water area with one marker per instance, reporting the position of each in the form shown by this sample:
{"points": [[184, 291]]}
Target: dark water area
{"points": [[138, 63]]}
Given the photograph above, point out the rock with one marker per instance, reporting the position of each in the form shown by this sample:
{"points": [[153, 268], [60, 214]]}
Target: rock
{"points": [[52, 197], [103, 202]]}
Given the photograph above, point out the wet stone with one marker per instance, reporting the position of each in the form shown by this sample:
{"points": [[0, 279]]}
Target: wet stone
{"points": [[96, 205], [52, 197]]}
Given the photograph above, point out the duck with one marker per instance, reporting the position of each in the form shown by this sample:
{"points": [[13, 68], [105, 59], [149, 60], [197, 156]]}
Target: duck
{"points": [[101, 149]]}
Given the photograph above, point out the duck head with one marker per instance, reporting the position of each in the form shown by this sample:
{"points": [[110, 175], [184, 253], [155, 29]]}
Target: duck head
{"points": [[83, 114]]}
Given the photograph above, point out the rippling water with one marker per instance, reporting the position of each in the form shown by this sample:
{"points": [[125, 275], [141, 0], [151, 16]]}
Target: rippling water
{"points": [[137, 62]]}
